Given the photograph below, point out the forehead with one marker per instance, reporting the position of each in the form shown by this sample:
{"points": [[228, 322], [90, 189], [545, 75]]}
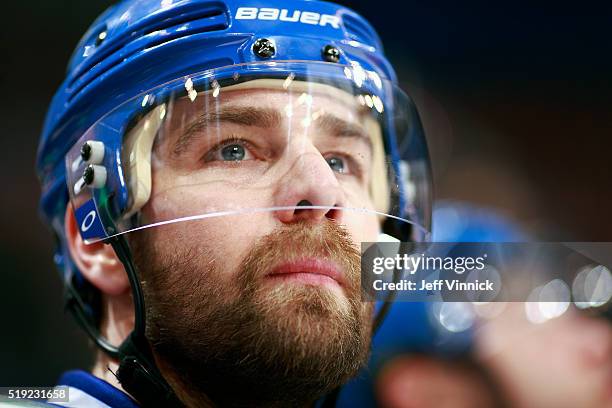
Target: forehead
{"points": [[290, 100]]}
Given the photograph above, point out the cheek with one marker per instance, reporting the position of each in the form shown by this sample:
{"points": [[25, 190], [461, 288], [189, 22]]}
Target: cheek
{"points": [[363, 227], [226, 239], [212, 248], [200, 200]]}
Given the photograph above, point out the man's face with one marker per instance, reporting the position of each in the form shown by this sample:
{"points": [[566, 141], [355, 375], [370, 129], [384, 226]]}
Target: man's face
{"points": [[259, 306]]}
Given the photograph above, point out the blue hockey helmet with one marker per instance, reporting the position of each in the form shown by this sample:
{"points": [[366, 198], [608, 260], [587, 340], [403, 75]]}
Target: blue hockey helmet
{"points": [[141, 56]]}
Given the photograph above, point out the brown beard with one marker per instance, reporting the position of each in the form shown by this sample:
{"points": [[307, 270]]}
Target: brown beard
{"points": [[244, 343]]}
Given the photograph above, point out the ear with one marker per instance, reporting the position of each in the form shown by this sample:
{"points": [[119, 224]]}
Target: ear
{"points": [[97, 262]]}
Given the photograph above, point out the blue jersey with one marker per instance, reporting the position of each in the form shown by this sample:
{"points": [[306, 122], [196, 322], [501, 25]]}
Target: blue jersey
{"points": [[87, 390]]}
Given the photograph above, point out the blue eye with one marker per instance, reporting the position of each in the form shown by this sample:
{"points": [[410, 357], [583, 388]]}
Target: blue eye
{"points": [[336, 164], [233, 152]]}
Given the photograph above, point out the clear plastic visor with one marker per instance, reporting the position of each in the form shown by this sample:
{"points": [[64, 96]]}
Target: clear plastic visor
{"points": [[305, 145]]}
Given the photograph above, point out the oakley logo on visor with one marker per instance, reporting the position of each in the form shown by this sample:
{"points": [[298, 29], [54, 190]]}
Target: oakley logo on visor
{"points": [[305, 17]]}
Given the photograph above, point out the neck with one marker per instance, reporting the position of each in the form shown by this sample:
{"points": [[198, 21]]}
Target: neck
{"points": [[117, 323], [105, 368]]}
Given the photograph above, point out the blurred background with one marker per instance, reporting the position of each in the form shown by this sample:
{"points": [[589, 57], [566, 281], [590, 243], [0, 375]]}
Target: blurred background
{"points": [[516, 103]]}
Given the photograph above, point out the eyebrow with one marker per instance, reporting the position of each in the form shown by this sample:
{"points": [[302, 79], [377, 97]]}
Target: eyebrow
{"points": [[239, 115], [343, 128], [266, 118]]}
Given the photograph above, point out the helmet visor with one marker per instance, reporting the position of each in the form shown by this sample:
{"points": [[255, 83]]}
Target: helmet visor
{"points": [[257, 140]]}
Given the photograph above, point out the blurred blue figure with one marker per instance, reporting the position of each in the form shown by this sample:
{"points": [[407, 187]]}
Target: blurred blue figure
{"points": [[455, 221], [409, 326]]}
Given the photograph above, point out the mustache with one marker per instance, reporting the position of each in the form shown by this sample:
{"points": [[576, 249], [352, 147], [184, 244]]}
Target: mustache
{"points": [[292, 242]]}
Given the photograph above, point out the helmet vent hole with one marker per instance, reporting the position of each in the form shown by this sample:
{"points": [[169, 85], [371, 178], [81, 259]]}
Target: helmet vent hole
{"points": [[101, 37]]}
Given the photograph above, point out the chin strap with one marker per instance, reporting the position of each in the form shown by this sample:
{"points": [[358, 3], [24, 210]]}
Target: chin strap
{"points": [[137, 372], [140, 377]]}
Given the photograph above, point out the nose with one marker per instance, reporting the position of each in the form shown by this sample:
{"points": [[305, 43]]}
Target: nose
{"points": [[309, 182]]}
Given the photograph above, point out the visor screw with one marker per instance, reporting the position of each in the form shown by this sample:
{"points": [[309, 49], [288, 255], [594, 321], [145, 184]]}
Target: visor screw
{"points": [[85, 151], [88, 175], [264, 48], [331, 53], [94, 176], [92, 152]]}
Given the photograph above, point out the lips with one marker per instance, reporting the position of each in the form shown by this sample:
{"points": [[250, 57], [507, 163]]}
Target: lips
{"points": [[310, 270]]}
